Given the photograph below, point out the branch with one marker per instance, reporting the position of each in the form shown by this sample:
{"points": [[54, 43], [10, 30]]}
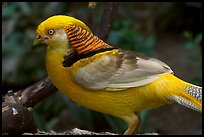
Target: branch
{"points": [[37, 92], [16, 119], [107, 18], [17, 107]]}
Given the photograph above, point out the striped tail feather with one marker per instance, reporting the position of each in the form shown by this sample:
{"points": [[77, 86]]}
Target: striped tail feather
{"points": [[190, 98]]}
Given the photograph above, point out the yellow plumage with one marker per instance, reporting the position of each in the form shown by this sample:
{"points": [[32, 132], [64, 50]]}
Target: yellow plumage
{"points": [[43, 27], [108, 80]]}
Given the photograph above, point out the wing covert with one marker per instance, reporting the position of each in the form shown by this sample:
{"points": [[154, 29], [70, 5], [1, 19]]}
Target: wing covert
{"points": [[118, 71]]}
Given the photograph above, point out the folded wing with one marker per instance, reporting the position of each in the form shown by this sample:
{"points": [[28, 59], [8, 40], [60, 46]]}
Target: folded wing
{"points": [[120, 71]]}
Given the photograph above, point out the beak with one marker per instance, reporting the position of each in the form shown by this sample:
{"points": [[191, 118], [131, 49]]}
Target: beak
{"points": [[35, 42], [39, 39]]}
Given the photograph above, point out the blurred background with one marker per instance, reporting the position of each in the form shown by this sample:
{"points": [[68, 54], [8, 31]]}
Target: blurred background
{"points": [[168, 31]]}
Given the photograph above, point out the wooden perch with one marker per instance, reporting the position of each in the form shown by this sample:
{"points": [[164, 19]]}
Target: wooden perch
{"points": [[37, 92], [16, 107], [16, 115], [16, 119]]}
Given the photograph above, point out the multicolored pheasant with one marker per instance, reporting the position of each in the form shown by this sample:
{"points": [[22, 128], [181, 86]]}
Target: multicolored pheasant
{"points": [[107, 79]]}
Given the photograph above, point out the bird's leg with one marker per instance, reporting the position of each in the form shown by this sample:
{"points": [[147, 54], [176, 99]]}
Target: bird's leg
{"points": [[133, 122]]}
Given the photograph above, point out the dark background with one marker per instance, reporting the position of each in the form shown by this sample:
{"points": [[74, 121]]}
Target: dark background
{"points": [[168, 31]]}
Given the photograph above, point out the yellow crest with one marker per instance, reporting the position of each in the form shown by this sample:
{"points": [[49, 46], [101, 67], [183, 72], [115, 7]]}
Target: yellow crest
{"points": [[59, 21]]}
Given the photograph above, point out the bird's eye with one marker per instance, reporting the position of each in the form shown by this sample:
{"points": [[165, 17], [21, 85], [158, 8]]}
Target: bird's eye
{"points": [[50, 32], [38, 37]]}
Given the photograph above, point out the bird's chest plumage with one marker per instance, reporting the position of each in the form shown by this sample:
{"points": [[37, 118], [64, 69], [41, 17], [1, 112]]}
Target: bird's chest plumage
{"points": [[59, 75]]}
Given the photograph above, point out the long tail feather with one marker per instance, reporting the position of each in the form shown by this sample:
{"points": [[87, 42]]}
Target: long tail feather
{"points": [[193, 98], [181, 92]]}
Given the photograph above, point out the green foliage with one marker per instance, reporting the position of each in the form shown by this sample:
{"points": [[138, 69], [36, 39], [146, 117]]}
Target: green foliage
{"points": [[46, 114], [197, 128], [117, 125], [20, 62], [193, 44], [83, 114], [124, 35]]}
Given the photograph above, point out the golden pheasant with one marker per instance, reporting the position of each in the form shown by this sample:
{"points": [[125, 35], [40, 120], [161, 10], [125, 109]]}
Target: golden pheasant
{"points": [[106, 79]]}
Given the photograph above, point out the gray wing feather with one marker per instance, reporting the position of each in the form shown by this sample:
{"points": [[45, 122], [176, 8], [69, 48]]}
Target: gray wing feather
{"points": [[127, 69]]}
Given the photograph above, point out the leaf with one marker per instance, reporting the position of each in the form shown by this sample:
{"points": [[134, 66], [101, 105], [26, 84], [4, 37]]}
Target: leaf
{"points": [[188, 35], [149, 42], [192, 58], [25, 8], [191, 46], [50, 124], [116, 124], [198, 38], [39, 120]]}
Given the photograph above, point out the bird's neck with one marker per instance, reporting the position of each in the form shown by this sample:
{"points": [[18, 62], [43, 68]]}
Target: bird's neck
{"points": [[84, 41], [84, 44]]}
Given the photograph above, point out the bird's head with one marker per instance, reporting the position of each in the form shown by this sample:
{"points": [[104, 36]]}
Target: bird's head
{"points": [[52, 30]]}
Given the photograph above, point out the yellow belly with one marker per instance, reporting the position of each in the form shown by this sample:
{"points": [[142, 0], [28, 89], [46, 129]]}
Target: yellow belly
{"points": [[117, 103]]}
